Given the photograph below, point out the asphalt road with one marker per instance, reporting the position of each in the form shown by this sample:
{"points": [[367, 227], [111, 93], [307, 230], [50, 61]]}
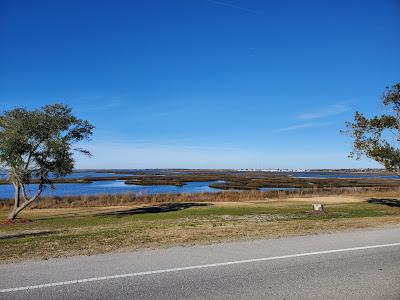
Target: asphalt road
{"points": [[352, 265]]}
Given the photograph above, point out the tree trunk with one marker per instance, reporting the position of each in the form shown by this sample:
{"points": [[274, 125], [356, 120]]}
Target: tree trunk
{"points": [[13, 214], [19, 207], [17, 200], [17, 196]]}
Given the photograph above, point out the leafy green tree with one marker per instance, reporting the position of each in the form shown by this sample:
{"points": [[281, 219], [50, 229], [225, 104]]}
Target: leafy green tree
{"points": [[37, 146], [378, 138]]}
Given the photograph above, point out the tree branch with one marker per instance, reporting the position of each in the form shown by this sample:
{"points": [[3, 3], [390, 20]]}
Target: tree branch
{"points": [[27, 202]]}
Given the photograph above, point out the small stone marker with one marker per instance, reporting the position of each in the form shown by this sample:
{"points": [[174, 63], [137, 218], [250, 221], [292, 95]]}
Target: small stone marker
{"points": [[318, 207]]}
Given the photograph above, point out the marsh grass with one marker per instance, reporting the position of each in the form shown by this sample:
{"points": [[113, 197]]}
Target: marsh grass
{"points": [[104, 200], [56, 232]]}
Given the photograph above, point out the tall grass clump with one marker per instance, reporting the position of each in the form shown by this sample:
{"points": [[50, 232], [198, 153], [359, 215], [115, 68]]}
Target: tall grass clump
{"points": [[103, 200]]}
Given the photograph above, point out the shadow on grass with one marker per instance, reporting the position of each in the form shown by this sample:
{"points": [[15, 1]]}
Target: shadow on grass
{"points": [[26, 234], [385, 201], [164, 207]]}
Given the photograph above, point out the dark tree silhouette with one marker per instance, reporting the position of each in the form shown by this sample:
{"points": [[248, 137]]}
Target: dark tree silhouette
{"points": [[38, 144], [378, 138]]}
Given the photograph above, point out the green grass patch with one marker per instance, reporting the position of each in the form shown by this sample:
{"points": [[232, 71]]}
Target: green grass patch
{"points": [[64, 232]]}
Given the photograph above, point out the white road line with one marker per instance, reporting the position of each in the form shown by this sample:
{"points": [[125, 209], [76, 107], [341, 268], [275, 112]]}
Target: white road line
{"points": [[46, 285]]}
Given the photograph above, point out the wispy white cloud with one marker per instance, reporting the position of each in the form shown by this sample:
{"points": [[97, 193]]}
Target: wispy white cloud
{"points": [[330, 110], [303, 126], [128, 156]]}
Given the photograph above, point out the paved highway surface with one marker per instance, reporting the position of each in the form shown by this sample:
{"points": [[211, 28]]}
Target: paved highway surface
{"points": [[352, 265]]}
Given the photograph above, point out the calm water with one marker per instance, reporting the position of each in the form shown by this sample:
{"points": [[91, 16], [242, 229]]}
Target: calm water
{"points": [[118, 186], [88, 174], [113, 187]]}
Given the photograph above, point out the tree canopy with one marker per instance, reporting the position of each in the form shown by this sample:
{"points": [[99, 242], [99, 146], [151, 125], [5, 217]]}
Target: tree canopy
{"points": [[378, 137], [39, 144]]}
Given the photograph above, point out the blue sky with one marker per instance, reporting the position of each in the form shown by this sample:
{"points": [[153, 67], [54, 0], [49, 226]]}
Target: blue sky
{"points": [[204, 84]]}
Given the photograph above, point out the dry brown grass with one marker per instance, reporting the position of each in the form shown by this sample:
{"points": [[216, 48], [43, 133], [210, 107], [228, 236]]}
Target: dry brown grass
{"points": [[57, 232], [88, 241], [242, 196]]}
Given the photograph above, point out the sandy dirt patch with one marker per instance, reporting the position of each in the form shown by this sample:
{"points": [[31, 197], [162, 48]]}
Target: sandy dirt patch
{"points": [[328, 199]]}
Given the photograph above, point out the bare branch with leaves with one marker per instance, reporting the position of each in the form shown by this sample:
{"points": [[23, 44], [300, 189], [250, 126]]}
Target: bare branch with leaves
{"points": [[378, 138], [38, 144]]}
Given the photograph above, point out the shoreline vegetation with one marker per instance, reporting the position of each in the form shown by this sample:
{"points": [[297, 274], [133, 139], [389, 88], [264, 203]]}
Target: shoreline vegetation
{"points": [[234, 180], [84, 225], [103, 200], [61, 227]]}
